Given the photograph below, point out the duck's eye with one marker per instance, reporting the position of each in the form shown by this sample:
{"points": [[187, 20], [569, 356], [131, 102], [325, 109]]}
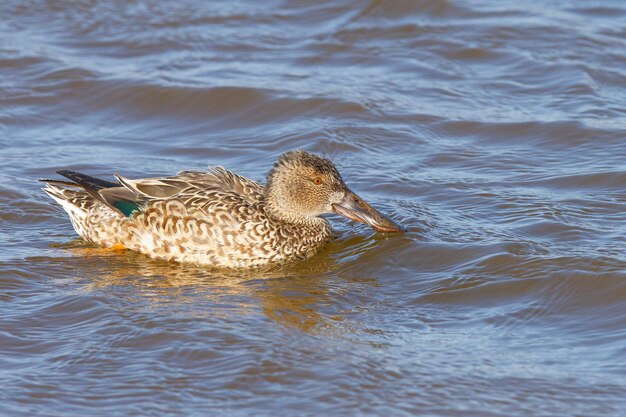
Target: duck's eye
{"points": [[317, 180]]}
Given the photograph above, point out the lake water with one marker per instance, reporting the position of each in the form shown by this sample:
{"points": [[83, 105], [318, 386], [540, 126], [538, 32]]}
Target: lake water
{"points": [[495, 130]]}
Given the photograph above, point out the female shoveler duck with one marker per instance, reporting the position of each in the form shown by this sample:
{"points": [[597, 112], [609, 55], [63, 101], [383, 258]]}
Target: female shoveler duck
{"points": [[216, 218]]}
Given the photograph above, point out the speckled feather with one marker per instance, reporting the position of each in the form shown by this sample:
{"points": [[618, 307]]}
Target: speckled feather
{"points": [[215, 218]]}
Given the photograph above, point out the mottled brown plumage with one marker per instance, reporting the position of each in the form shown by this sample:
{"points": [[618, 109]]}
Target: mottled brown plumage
{"points": [[216, 218]]}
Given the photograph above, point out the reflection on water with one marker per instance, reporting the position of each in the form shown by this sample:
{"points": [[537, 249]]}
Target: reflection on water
{"points": [[493, 129], [288, 295]]}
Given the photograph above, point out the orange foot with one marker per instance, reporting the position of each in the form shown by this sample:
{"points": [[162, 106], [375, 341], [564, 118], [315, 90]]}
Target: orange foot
{"points": [[118, 246]]}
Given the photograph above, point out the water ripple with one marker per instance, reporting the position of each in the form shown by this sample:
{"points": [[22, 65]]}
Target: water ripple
{"points": [[493, 130]]}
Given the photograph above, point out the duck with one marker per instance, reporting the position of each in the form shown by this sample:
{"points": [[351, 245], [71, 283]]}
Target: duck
{"points": [[217, 218]]}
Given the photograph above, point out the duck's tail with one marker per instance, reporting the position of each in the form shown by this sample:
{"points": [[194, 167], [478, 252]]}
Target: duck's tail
{"points": [[80, 194], [76, 197]]}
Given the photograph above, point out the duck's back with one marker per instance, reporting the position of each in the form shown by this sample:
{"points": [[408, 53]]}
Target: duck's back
{"points": [[190, 185]]}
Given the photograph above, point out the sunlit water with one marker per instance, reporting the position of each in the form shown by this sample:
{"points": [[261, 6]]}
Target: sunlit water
{"points": [[494, 130]]}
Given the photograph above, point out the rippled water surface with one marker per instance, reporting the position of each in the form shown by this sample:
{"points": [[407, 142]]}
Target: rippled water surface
{"points": [[494, 130]]}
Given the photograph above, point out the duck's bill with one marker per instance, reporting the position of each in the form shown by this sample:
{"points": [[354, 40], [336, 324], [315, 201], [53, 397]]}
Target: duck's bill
{"points": [[354, 208]]}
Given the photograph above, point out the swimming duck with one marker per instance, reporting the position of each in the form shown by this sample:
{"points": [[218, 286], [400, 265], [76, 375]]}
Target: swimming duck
{"points": [[216, 218]]}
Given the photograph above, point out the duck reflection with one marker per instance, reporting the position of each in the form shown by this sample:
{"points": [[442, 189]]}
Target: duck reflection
{"points": [[305, 295]]}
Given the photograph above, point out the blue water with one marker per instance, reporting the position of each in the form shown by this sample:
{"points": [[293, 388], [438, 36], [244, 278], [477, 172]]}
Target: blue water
{"points": [[494, 130]]}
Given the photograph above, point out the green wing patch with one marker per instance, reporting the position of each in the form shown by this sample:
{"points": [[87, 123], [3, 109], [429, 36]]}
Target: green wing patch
{"points": [[126, 207]]}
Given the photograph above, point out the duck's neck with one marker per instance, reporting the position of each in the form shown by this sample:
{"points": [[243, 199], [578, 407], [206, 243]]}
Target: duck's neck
{"points": [[279, 214]]}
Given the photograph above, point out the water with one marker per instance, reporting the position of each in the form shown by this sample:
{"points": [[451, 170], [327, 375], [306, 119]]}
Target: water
{"points": [[494, 130]]}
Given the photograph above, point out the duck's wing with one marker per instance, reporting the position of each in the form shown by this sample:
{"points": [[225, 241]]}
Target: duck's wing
{"points": [[221, 179], [191, 187], [190, 182]]}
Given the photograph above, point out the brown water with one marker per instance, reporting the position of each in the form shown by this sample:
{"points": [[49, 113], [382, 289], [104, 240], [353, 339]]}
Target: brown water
{"points": [[495, 130]]}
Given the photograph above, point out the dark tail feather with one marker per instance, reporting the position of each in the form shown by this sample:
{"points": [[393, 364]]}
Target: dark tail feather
{"points": [[60, 182], [90, 184], [86, 180], [113, 194]]}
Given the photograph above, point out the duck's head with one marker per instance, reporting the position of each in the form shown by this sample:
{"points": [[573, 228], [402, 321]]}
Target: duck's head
{"points": [[302, 186]]}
